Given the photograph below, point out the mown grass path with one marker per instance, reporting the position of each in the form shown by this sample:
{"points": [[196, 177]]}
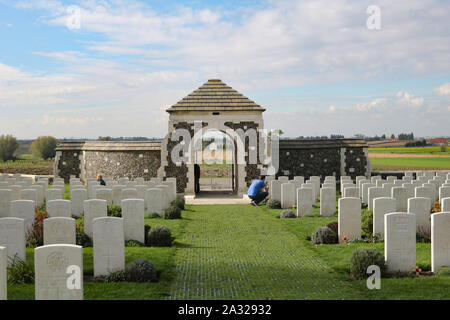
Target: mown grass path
{"points": [[242, 252]]}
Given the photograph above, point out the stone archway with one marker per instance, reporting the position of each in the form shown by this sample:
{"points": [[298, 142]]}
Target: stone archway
{"points": [[213, 106]]}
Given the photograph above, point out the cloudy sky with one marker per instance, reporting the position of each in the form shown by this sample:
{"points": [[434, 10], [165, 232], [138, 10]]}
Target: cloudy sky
{"points": [[315, 65]]}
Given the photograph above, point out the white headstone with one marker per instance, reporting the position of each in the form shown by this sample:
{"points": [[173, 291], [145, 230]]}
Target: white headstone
{"points": [[327, 202], [3, 273], [275, 189], [23, 209], [141, 190], [400, 195], [12, 236], [365, 192], [59, 208], [78, 196], [382, 206], [154, 201], [29, 194], [444, 192], [420, 206], [287, 195], [400, 241], [304, 202], [94, 208], [133, 211], [351, 192], [375, 192], [425, 192], [349, 219], [440, 240], [53, 194], [109, 245], [59, 230], [445, 205], [5, 200], [53, 265], [104, 194], [129, 193]]}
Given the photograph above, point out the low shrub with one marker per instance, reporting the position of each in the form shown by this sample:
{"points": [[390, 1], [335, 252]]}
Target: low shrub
{"points": [[364, 257], [142, 270], [20, 272], [117, 276], [134, 243], [153, 216], [179, 202], [324, 235], [82, 239], [159, 236], [35, 236], [115, 211], [172, 213], [273, 204], [334, 226], [287, 214], [367, 223], [147, 229]]}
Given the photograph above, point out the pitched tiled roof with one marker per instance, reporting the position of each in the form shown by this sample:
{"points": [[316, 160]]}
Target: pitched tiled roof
{"points": [[215, 95]]}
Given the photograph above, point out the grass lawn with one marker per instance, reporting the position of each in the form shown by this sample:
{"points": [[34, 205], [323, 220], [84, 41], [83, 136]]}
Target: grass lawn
{"points": [[435, 163], [412, 150], [245, 252]]}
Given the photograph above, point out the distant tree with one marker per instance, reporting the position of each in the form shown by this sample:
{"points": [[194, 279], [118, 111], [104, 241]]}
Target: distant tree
{"points": [[392, 136], [104, 138], [336, 136], [44, 147], [383, 137], [360, 136], [8, 145]]}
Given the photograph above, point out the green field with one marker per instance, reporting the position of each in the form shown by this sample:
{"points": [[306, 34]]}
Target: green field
{"points": [[404, 163], [412, 150], [245, 252]]}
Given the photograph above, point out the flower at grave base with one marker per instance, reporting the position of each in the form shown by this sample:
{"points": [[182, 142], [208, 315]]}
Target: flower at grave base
{"points": [[418, 270], [345, 239]]}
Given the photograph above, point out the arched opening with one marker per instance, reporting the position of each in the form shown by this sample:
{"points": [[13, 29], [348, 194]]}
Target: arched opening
{"points": [[214, 168]]}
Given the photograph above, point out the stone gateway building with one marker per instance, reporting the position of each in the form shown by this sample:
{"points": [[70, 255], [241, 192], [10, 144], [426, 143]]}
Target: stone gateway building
{"points": [[218, 107]]}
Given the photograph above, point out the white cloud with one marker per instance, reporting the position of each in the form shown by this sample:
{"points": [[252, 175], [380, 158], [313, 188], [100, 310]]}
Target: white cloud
{"points": [[287, 44], [443, 90]]}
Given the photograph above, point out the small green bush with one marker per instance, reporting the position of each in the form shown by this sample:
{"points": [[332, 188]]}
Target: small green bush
{"points": [[115, 211], [142, 270], [159, 236], [147, 229], [179, 202], [20, 272], [134, 243], [153, 216], [287, 214], [364, 257], [117, 276], [367, 223], [273, 204], [324, 235], [334, 226], [172, 213], [82, 239]]}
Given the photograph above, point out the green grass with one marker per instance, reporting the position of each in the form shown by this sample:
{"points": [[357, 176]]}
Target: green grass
{"points": [[438, 163], [412, 150], [245, 252]]}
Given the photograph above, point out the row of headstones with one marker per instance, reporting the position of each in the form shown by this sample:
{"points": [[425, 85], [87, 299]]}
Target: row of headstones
{"points": [[399, 232], [59, 252], [25, 189], [157, 194]]}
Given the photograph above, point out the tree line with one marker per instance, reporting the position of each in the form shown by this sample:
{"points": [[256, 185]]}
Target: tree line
{"points": [[43, 147]]}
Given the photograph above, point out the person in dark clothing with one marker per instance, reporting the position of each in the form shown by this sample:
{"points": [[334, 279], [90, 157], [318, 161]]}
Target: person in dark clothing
{"points": [[255, 191], [196, 178], [100, 179]]}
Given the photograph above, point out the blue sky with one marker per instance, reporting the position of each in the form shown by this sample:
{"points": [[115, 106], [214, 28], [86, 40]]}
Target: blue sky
{"points": [[314, 65]]}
